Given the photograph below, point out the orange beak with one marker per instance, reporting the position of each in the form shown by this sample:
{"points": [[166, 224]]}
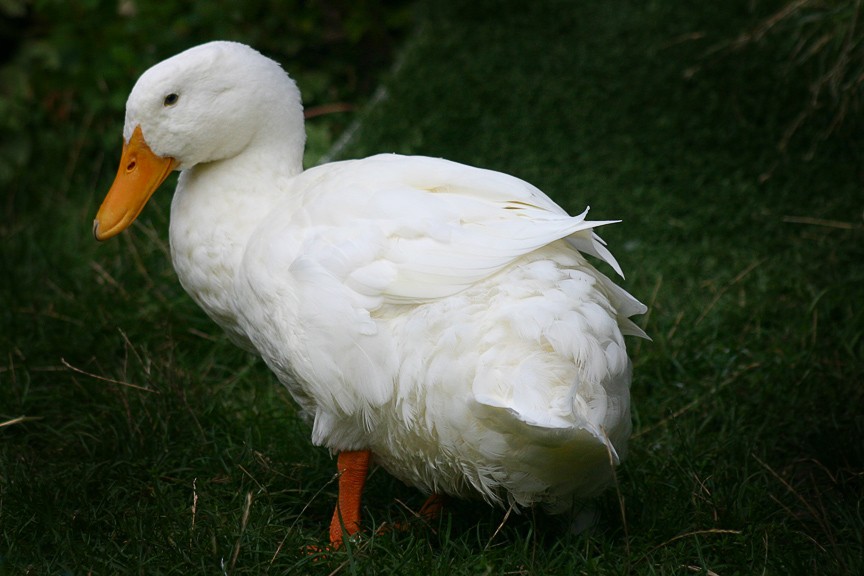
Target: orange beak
{"points": [[140, 173]]}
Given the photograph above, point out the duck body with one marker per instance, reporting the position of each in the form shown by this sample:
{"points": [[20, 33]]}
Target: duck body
{"points": [[432, 313], [439, 316]]}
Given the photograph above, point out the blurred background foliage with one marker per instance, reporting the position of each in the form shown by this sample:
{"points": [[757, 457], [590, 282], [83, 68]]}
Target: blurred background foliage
{"points": [[66, 65]]}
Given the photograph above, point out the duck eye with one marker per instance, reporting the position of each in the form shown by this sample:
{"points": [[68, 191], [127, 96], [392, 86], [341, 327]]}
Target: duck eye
{"points": [[171, 99]]}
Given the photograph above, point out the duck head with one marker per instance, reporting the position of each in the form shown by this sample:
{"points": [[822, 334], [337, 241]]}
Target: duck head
{"points": [[207, 104]]}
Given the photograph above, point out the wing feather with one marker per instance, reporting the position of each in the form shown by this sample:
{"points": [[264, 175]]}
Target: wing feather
{"points": [[429, 228]]}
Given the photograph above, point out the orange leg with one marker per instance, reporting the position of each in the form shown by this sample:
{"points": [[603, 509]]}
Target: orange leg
{"points": [[432, 508], [353, 467]]}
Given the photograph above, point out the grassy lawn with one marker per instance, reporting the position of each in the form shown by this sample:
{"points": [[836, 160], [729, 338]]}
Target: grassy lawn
{"points": [[135, 439]]}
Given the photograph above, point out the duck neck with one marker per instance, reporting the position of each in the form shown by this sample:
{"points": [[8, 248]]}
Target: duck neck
{"points": [[216, 208]]}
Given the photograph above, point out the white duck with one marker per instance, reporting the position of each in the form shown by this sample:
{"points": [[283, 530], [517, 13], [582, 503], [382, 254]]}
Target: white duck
{"points": [[435, 318]]}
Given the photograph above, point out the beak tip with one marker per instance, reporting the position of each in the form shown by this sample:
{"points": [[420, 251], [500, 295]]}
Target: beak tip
{"points": [[96, 234]]}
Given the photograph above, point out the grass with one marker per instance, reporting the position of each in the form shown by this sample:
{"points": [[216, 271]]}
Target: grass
{"points": [[823, 41], [135, 438]]}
